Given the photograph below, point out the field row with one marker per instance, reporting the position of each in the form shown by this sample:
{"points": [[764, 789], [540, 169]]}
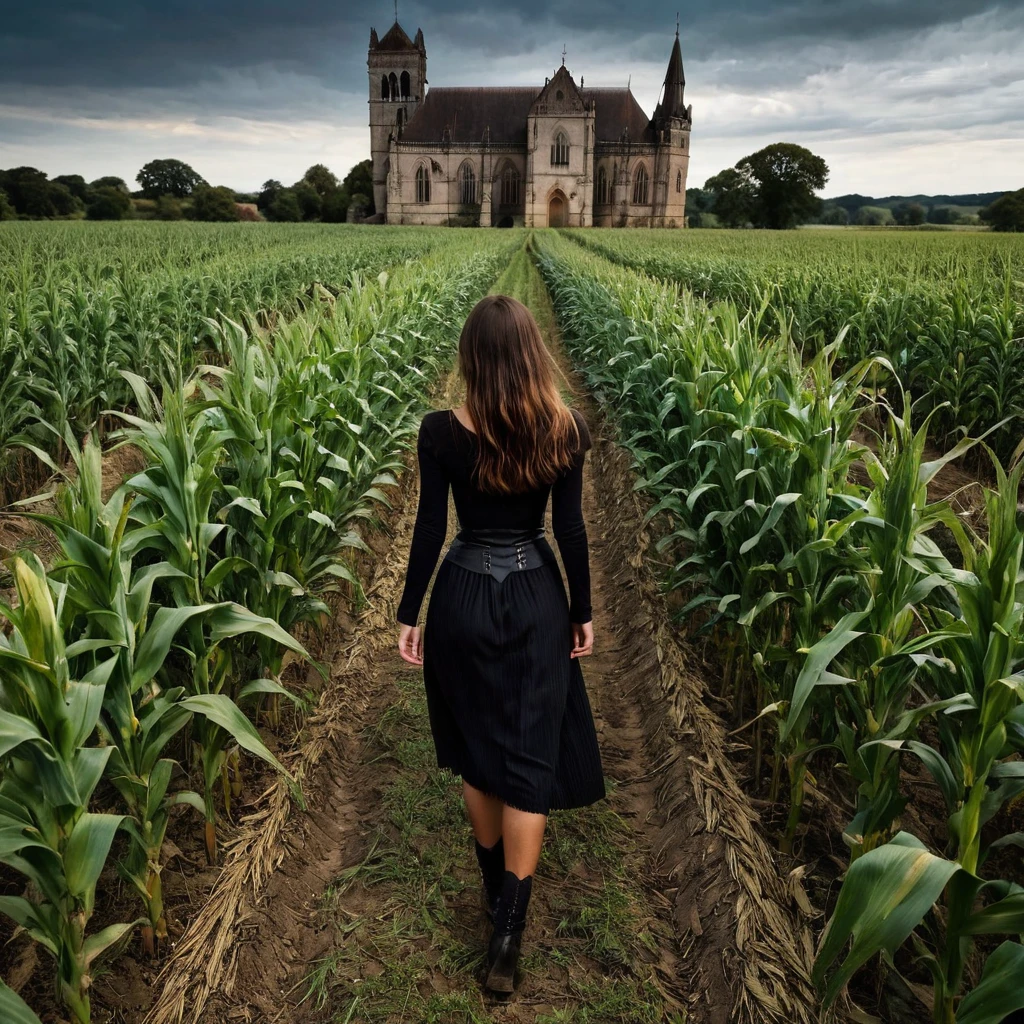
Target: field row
{"points": [[136, 665], [855, 645], [80, 303], [946, 311]]}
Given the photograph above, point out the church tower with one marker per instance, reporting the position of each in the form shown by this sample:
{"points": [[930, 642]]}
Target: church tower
{"points": [[398, 77], [672, 122]]}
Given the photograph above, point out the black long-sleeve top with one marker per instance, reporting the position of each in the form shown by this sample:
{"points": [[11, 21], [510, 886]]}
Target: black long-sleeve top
{"points": [[446, 451]]}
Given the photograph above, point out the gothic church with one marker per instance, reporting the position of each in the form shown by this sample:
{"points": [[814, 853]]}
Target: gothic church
{"points": [[556, 156]]}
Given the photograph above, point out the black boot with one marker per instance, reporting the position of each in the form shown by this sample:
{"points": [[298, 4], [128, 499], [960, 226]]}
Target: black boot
{"points": [[492, 868], [506, 940]]}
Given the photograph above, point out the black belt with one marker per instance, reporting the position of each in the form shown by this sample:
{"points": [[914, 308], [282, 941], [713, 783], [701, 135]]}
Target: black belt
{"points": [[498, 552]]}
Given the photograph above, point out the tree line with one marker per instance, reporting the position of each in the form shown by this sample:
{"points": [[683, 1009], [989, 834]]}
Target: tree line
{"points": [[775, 188], [172, 190]]}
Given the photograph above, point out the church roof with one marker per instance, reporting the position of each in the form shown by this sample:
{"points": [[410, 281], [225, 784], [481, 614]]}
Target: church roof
{"points": [[618, 109], [396, 39], [469, 110]]}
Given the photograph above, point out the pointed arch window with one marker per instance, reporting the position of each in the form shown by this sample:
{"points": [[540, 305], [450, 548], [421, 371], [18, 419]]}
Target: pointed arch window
{"points": [[679, 181], [641, 183], [393, 85], [422, 184], [602, 185], [510, 186], [405, 85], [385, 89], [467, 185], [560, 150]]}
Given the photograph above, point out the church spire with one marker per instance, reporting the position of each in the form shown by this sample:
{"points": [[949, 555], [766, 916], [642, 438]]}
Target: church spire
{"points": [[672, 103]]}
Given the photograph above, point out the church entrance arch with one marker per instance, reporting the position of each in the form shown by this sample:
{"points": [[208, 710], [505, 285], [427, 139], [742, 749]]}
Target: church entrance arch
{"points": [[557, 210]]}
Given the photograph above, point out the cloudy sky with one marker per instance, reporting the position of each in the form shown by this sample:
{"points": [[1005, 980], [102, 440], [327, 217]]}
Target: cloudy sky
{"points": [[899, 96]]}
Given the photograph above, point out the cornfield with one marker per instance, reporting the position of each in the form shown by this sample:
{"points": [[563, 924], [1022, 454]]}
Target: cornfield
{"points": [[946, 310], [851, 636], [787, 401]]}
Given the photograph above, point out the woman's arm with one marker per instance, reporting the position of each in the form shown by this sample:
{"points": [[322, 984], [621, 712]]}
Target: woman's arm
{"points": [[429, 532], [570, 531]]}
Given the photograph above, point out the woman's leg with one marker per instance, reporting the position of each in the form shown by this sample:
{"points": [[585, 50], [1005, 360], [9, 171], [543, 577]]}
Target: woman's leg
{"points": [[485, 814], [523, 835]]}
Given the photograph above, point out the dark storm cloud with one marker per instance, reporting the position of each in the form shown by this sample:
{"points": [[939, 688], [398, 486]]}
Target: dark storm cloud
{"points": [[259, 88], [54, 43]]}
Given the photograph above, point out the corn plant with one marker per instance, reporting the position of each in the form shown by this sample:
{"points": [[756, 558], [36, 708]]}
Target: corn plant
{"points": [[14, 1009], [889, 893], [47, 832], [172, 521]]}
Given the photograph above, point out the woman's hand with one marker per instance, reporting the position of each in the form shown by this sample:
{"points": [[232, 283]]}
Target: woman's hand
{"points": [[582, 639], [410, 644]]}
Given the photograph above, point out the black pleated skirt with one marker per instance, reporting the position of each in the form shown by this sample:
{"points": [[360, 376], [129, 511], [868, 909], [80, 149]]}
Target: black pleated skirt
{"points": [[508, 707]]}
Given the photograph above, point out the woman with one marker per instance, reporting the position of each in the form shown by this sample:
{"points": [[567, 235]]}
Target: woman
{"points": [[505, 695]]}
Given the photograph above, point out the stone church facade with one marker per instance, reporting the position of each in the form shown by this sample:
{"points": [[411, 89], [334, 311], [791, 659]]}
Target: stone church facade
{"points": [[560, 155]]}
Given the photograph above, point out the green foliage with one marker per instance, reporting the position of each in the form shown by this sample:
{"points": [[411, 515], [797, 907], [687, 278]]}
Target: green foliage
{"points": [[909, 214], [945, 310], [214, 204], [773, 188], [1006, 213], [359, 180], [33, 196], [308, 200], [169, 208], [108, 204], [786, 176], [841, 620], [321, 179], [284, 206], [110, 181], [874, 216], [168, 177], [834, 215], [733, 197], [7, 211]]}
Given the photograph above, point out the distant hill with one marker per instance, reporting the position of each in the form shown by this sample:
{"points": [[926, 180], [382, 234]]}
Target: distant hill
{"points": [[970, 202]]}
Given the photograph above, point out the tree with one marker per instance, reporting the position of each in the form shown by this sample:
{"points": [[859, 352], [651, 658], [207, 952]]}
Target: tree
{"points": [[168, 177], [335, 207], [108, 203], [7, 211], [698, 200], [321, 179], [309, 200], [169, 208], [285, 206], [943, 215], [75, 184], [268, 193], [785, 177], [210, 203], [733, 197], [360, 180], [874, 216], [835, 215], [111, 181], [1006, 213], [909, 214], [358, 208]]}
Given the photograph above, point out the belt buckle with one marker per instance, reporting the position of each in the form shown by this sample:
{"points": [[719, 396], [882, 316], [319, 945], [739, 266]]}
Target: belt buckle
{"points": [[520, 556], [487, 558]]}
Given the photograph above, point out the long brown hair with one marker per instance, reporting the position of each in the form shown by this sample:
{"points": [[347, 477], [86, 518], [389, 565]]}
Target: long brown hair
{"points": [[526, 434]]}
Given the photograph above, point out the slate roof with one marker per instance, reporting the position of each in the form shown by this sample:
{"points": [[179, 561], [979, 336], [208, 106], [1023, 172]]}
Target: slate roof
{"points": [[469, 110], [396, 39]]}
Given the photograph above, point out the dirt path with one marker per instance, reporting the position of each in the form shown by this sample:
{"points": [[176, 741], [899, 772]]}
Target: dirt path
{"points": [[652, 906]]}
